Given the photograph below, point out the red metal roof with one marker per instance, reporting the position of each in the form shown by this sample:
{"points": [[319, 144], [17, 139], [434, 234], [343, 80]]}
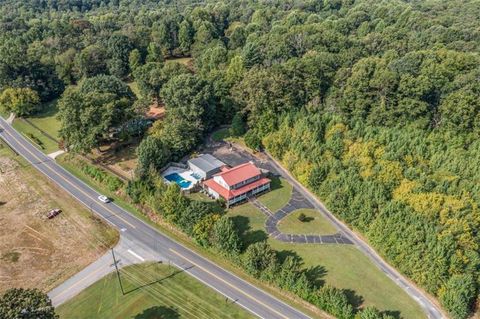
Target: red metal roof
{"points": [[239, 173], [229, 194]]}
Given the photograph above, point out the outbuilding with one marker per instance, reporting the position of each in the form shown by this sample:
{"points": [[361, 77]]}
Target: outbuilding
{"points": [[205, 166]]}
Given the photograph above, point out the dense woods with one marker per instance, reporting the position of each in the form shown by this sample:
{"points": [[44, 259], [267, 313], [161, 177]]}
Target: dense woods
{"points": [[374, 105]]}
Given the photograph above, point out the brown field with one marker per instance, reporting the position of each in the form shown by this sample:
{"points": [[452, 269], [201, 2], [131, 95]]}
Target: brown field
{"points": [[35, 251]]}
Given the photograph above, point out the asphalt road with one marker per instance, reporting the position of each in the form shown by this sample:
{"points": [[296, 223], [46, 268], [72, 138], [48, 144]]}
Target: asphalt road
{"points": [[253, 299]]}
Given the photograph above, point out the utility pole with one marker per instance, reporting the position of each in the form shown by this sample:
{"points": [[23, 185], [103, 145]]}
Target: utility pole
{"points": [[118, 273]]}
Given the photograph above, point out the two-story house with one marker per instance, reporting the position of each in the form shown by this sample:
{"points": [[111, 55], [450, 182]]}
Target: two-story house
{"points": [[237, 183]]}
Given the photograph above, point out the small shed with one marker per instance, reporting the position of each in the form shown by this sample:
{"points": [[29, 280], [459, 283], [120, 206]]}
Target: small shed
{"points": [[205, 166]]}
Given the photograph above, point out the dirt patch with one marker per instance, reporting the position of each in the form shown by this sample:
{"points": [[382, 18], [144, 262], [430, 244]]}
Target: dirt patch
{"points": [[35, 251]]}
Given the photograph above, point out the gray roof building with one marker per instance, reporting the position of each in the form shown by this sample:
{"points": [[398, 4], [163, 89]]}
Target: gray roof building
{"points": [[205, 165]]}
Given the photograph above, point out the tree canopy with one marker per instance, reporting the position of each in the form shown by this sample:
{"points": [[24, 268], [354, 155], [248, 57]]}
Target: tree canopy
{"points": [[26, 303]]}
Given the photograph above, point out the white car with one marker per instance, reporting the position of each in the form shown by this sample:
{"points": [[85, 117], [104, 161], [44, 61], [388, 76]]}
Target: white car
{"points": [[104, 199]]}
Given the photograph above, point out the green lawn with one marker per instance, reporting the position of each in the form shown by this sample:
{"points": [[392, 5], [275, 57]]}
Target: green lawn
{"points": [[342, 266], [314, 223], [249, 221], [184, 61], [35, 136], [47, 120], [200, 197], [278, 196], [153, 291]]}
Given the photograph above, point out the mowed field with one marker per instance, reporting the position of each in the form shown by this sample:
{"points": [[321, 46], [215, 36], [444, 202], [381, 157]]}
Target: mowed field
{"points": [[342, 266], [34, 251], [152, 290]]}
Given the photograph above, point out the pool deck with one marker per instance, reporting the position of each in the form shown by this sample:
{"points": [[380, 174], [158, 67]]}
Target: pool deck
{"points": [[184, 173]]}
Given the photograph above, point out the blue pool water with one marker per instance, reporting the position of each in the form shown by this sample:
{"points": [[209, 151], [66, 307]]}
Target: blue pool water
{"points": [[179, 180]]}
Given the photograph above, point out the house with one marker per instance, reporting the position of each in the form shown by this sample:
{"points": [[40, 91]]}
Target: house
{"points": [[205, 166], [237, 184]]}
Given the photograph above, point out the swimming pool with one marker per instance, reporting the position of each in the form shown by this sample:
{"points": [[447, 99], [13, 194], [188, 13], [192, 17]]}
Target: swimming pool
{"points": [[179, 180]]}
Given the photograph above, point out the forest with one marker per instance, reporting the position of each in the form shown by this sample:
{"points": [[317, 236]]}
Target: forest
{"points": [[373, 105]]}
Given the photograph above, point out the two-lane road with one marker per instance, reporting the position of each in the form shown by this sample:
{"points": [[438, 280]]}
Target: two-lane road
{"points": [[253, 299]]}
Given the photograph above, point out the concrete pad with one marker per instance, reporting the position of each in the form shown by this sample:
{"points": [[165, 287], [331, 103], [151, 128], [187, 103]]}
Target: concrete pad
{"points": [[55, 154]]}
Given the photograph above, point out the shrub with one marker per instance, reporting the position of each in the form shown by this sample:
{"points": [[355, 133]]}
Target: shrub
{"points": [[333, 301], [258, 257], [113, 183], [302, 217]]}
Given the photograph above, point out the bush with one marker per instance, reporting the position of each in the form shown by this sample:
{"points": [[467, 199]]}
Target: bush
{"points": [[334, 301], [258, 257], [37, 141], [302, 217], [113, 183]]}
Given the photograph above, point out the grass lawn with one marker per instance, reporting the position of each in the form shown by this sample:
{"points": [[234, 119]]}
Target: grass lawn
{"points": [[45, 144], [278, 196], [249, 221], [314, 223], [200, 197], [185, 61], [342, 266], [153, 291], [47, 120]]}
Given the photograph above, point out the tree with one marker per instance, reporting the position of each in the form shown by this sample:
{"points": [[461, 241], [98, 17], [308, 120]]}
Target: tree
{"points": [[194, 213], [134, 59], [458, 295], [21, 101], [225, 236], [90, 112], [185, 36], [154, 53], [92, 61], [173, 203], [460, 111], [152, 153], [202, 230], [150, 80], [118, 49], [65, 66], [235, 70], [26, 303], [258, 257], [238, 125], [190, 109]]}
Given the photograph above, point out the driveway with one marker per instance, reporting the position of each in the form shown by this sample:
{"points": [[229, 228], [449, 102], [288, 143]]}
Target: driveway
{"points": [[234, 155]]}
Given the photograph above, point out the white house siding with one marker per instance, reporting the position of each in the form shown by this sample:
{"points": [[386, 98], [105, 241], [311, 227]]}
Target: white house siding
{"points": [[213, 193], [221, 181], [197, 170], [252, 192]]}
